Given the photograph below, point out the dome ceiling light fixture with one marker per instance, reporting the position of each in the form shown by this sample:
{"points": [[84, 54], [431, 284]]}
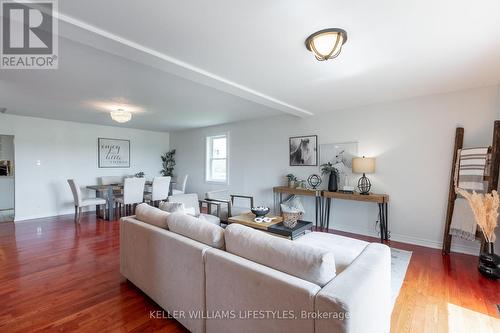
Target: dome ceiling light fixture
{"points": [[121, 115], [327, 43]]}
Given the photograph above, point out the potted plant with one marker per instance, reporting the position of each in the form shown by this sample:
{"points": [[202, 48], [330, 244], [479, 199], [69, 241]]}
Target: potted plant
{"points": [[330, 170], [291, 180], [485, 209], [140, 174], [168, 163]]}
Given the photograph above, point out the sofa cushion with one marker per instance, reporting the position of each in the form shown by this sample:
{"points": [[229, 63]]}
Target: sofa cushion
{"points": [[151, 215], [345, 249], [196, 229], [309, 263]]}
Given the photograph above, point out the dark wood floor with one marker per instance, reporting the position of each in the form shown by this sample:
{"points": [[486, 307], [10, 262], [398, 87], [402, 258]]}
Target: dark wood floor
{"points": [[55, 276]]}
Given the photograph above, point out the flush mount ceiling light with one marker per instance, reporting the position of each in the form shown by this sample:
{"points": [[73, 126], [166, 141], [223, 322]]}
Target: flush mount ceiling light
{"points": [[121, 115], [327, 43]]}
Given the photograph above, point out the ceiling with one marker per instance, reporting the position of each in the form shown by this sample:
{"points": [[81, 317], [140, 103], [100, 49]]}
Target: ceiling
{"points": [[186, 64], [90, 83]]}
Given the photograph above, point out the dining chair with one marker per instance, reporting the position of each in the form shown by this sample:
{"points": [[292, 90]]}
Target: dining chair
{"points": [[159, 190], [133, 193], [80, 202], [111, 180], [180, 186]]}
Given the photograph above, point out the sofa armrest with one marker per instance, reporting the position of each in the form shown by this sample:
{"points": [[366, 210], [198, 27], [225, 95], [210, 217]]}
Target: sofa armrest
{"points": [[359, 298]]}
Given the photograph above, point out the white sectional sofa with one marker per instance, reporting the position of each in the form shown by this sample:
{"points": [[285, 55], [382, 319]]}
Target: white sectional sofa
{"points": [[243, 280]]}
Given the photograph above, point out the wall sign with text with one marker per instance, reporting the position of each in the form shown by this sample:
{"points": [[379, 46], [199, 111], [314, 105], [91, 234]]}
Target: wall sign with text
{"points": [[113, 153]]}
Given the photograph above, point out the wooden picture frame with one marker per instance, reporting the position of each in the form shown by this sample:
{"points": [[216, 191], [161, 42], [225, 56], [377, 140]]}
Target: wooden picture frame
{"points": [[113, 153], [303, 150]]}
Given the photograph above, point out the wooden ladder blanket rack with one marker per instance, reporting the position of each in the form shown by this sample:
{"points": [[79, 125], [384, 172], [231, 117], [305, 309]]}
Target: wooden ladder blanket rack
{"points": [[492, 180]]}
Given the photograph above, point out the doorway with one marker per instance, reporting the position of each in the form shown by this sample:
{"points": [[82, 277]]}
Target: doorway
{"points": [[7, 178]]}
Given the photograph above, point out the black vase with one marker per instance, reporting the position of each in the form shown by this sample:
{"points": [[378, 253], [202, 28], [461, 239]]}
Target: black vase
{"points": [[332, 182], [489, 263]]}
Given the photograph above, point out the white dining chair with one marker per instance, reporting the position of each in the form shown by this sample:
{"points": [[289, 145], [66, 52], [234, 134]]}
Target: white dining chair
{"points": [[159, 190], [133, 193], [111, 180], [80, 202], [180, 187]]}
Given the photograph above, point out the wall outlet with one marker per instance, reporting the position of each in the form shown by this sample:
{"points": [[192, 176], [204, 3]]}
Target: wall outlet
{"points": [[38, 163]]}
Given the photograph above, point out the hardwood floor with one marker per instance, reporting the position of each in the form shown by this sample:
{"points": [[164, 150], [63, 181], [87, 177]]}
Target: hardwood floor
{"points": [[55, 276]]}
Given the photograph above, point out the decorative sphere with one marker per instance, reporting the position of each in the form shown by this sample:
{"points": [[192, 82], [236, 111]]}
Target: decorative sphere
{"points": [[314, 181]]}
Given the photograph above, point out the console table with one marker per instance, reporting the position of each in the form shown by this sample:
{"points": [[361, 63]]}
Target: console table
{"points": [[381, 200], [278, 199], [324, 201]]}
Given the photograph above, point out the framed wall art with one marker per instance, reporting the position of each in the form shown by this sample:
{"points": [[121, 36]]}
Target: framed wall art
{"points": [[113, 153], [304, 150]]}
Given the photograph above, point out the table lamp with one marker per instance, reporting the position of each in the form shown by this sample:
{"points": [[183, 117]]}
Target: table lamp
{"points": [[363, 165]]}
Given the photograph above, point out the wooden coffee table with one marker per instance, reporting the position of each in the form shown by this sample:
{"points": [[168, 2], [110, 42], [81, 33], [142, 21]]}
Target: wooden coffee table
{"points": [[275, 227], [248, 220]]}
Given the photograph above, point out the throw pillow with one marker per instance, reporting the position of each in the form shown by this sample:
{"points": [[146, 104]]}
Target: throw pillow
{"points": [[151, 215], [172, 207], [292, 205]]}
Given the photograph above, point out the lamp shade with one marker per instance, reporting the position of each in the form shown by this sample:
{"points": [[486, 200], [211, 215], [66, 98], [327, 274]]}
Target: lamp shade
{"points": [[363, 165]]}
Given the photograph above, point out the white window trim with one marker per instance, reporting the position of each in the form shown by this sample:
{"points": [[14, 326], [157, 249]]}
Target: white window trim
{"points": [[207, 157]]}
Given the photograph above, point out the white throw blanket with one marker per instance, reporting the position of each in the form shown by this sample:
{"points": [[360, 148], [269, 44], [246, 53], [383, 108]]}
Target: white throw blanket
{"points": [[471, 169], [463, 224], [469, 175]]}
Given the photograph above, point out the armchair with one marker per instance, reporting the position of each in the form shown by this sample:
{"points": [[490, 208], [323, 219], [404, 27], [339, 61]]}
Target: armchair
{"points": [[227, 200], [192, 203]]}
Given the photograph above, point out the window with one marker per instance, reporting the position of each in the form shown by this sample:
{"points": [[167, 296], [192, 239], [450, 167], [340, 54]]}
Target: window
{"points": [[217, 159]]}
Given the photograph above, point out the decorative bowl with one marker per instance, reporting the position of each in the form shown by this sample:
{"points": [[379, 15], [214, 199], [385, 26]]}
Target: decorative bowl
{"points": [[260, 211]]}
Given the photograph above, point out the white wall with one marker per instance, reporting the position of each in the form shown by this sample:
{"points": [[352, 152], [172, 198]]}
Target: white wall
{"points": [[411, 139], [69, 150]]}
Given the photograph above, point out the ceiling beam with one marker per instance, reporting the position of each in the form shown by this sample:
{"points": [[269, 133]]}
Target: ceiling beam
{"points": [[81, 32]]}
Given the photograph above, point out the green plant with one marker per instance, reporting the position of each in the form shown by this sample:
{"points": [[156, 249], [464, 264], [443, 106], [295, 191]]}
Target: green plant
{"points": [[168, 163], [328, 168], [140, 174], [291, 177]]}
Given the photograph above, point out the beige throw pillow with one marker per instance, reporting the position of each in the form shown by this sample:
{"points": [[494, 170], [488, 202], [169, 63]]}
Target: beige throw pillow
{"points": [[196, 229], [151, 215], [171, 207]]}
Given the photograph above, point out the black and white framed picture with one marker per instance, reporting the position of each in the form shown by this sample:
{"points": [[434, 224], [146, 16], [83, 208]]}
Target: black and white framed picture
{"points": [[304, 150], [113, 153]]}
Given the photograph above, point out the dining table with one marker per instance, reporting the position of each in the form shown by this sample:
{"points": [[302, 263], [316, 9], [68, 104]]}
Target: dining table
{"points": [[107, 192]]}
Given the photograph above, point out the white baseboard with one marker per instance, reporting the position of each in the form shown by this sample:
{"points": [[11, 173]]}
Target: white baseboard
{"points": [[473, 249], [28, 218]]}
